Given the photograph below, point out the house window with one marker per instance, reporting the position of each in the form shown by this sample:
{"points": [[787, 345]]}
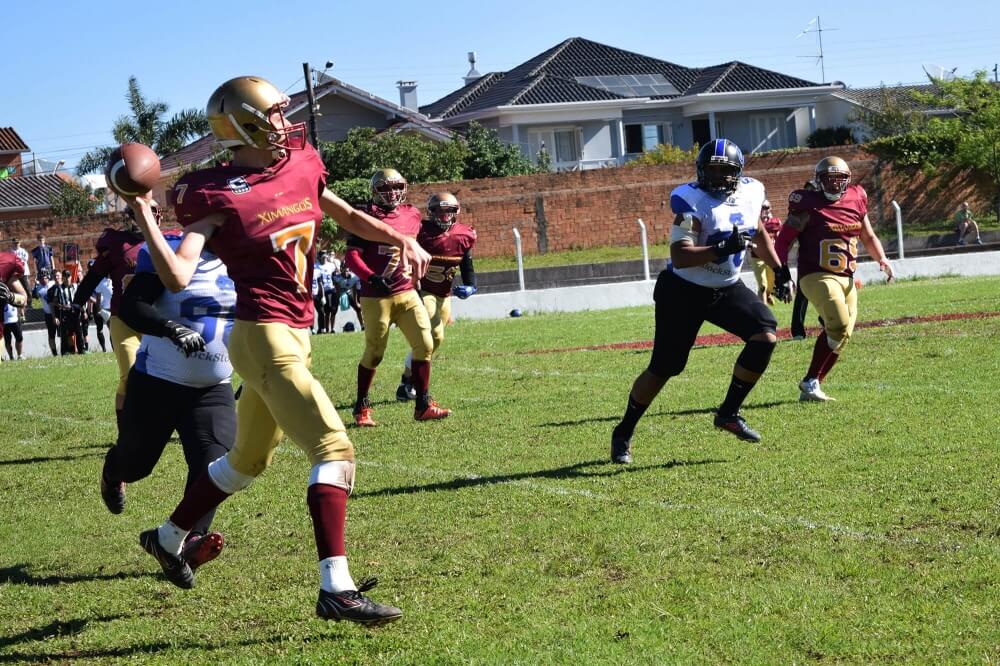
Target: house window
{"points": [[767, 132], [561, 143], [647, 136]]}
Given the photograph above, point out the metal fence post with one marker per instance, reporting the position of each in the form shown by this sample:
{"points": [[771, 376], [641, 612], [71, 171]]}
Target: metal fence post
{"points": [[520, 258], [645, 248], [899, 229]]}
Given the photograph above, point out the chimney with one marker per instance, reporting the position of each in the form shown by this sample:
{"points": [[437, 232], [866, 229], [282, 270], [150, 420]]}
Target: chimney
{"points": [[473, 74], [408, 95]]}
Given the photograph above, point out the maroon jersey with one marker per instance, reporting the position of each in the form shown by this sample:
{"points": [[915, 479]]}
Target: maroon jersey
{"points": [[117, 253], [11, 267], [446, 249], [829, 241], [384, 259], [772, 227], [267, 240]]}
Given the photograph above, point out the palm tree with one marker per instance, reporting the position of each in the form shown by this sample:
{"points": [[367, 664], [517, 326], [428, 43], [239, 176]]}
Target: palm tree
{"points": [[147, 125]]}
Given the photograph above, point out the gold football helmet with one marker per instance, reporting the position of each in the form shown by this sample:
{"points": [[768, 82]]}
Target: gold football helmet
{"points": [[249, 111], [388, 188], [832, 177], [443, 208]]}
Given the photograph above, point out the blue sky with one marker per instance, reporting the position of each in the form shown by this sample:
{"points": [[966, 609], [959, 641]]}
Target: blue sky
{"points": [[65, 76]]}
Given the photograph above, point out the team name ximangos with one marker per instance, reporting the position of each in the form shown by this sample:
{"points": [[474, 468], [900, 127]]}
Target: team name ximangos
{"points": [[270, 216]]}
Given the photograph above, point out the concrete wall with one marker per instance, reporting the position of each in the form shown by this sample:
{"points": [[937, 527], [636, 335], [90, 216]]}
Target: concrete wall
{"points": [[340, 115]]}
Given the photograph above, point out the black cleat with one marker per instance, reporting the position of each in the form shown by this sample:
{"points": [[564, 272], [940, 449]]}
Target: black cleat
{"points": [[175, 568], [113, 495], [405, 392], [355, 606], [621, 449], [737, 425]]}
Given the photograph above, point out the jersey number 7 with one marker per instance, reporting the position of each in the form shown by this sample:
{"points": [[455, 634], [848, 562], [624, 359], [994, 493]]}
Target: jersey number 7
{"points": [[302, 236]]}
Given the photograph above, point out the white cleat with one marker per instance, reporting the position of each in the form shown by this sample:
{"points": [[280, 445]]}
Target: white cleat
{"points": [[810, 391]]}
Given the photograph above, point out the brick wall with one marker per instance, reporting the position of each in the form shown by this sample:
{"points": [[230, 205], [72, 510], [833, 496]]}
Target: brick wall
{"points": [[598, 208]]}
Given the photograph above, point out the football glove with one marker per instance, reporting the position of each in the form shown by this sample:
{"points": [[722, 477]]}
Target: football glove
{"points": [[784, 287], [6, 295], [737, 242], [379, 285], [187, 341], [463, 291]]}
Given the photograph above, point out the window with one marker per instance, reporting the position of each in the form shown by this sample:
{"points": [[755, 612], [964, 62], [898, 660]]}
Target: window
{"points": [[767, 132], [562, 144], [640, 138]]}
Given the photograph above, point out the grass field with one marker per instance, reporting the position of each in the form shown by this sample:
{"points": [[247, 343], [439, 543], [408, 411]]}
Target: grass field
{"points": [[860, 531]]}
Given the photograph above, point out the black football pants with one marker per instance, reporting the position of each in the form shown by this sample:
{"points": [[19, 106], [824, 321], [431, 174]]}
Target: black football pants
{"points": [[205, 419]]}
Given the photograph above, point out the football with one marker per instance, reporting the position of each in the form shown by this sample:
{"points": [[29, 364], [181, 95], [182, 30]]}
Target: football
{"points": [[132, 169]]}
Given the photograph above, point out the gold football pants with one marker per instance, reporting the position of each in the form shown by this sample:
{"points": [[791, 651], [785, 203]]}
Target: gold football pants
{"points": [[280, 395], [836, 301], [439, 312], [764, 275], [406, 311], [125, 344]]}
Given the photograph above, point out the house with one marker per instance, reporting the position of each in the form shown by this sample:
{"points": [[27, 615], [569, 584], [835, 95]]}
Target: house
{"points": [[28, 196], [843, 107], [592, 105], [342, 107], [11, 147]]}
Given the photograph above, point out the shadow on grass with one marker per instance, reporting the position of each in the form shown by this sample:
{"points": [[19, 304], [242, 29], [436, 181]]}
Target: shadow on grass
{"points": [[42, 459], [19, 575], [575, 471], [51, 630], [679, 412], [374, 403]]}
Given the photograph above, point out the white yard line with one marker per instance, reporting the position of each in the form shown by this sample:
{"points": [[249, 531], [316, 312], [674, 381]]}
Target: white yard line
{"points": [[738, 512]]}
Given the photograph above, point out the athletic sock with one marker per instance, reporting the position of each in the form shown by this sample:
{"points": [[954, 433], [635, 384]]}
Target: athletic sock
{"points": [[821, 354], [365, 378], [334, 574], [830, 362], [633, 412], [421, 377], [201, 497], [738, 392], [171, 537]]}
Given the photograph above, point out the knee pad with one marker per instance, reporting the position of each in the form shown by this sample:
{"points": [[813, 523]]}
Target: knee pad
{"points": [[756, 355], [338, 473], [226, 478]]}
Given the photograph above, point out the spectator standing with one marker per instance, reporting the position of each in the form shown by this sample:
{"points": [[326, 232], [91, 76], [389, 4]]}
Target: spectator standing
{"points": [[102, 309], [319, 298], [42, 254], [326, 273], [60, 297], [761, 271], [964, 223], [22, 254], [12, 332], [42, 285], [348, 287]]}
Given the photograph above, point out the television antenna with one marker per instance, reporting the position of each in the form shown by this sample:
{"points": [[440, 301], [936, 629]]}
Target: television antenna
{"points": [[816, 25]]}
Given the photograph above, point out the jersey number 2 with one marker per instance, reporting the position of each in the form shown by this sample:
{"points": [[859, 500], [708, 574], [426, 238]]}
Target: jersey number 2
{"points": [[302, 236]]}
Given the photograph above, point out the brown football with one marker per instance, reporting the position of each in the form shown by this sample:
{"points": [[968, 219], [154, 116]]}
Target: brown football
{"points": [[132, 169]]}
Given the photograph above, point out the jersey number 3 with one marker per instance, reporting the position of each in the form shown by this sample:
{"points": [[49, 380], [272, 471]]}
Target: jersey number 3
{"points": [[302, 236]]}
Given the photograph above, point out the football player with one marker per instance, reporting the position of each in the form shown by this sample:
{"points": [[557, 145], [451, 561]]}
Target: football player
{"points": [[388, 296], [12, 290], [450, 244], [117, 250], [716, 219], [827, 223], [260, 215], [181, 381], [761, 271]]}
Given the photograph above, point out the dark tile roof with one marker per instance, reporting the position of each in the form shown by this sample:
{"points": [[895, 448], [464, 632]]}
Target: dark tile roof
{"points": [[28, 191], [195, 153], [901, 95], [11, 142], [550, 77]]}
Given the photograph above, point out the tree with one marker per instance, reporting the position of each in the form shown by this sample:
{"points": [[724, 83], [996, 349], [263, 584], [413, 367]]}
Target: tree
{"points": [[489, 157], [888, 116], [969, 138], [72, 200], [665, 154], [148, 125], [418, 159]]}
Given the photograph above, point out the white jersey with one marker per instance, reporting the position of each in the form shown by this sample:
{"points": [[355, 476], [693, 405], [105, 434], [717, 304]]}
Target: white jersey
{"points": [[104, 289], [10, 314], [718, 216], [41, 291], [207, 305]]}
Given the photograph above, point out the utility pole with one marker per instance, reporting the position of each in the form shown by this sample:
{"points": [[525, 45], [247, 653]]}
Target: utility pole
{"points": [[995, 79], [312, 105]]}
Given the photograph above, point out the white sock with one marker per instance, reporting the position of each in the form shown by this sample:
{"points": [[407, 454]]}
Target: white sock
{"points": [[171, 537], [334, 576]]}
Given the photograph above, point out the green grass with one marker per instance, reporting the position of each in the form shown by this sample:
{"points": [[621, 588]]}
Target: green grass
{"points": [[595, 255], [858, 531]]}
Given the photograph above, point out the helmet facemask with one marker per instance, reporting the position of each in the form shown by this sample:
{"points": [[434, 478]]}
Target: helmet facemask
{"points": [[444, 215], [833, 183], [720, 178], [389, 194]]}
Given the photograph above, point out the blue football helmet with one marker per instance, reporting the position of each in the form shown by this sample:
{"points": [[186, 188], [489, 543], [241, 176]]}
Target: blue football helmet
{"points": [[719, 166]]}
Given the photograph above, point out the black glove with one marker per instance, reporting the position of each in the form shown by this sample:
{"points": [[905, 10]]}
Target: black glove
{"points": [[784, 288], [6, 295], [379, 285], [186, 340], [736, 242]]}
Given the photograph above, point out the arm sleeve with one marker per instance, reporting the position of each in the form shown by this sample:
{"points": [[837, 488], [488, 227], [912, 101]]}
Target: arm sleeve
{"points": [[87, 286], [357, 264], [137, 309], [468, 273]]}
